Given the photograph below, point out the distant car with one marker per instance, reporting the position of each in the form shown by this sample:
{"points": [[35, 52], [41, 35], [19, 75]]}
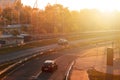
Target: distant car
{"points": [[49, 66], [62, 42]]}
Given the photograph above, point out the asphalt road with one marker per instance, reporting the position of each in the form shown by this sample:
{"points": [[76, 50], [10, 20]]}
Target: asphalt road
{"points": [[22, 53], [33, 67], [63, 58]]}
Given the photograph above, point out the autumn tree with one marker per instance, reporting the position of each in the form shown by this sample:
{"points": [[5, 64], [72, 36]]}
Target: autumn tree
{"points": [[57, 18], [25, 15], [15, 33], [7, 14]]}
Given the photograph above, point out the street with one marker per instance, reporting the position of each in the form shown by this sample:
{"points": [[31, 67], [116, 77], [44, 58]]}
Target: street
{"points": [[84, 59]]}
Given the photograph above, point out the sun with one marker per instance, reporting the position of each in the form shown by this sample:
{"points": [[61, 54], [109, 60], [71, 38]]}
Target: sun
{"points": [[102, 5]]}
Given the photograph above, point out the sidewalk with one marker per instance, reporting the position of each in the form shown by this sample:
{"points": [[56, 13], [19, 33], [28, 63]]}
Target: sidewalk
{"points": [[79, 75], [79, 71]]}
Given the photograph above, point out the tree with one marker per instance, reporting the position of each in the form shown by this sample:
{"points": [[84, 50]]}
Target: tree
{"points": [[18, 5], [6, 14], [24, 28], [57, 18], [25, 15], [15, 33]]}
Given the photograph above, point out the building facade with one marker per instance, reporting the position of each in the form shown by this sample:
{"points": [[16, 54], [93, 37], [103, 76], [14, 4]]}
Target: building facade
{"points": [[7, 3]]}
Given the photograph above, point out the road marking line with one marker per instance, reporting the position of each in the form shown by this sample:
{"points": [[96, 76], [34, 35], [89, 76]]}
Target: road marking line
{"points": [[36, 76]]}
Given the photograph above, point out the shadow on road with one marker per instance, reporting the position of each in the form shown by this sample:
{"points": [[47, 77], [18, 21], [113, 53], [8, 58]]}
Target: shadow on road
{"points": [[45, 75]]}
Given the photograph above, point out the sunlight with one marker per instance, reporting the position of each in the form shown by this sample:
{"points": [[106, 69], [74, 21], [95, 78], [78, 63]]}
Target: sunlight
{"points": [[108, 5], [102, 5]]}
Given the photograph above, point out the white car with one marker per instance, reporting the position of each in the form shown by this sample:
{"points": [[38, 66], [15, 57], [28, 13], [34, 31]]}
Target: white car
{"points": [[63, 42]]}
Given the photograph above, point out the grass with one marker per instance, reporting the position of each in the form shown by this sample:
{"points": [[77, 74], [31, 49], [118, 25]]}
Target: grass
{"points": [[96, 75]]}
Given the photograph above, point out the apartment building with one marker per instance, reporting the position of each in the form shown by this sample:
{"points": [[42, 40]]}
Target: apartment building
{"points": [[7, 3]]}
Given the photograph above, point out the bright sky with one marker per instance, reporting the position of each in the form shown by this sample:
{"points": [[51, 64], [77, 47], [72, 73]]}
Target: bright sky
{"points": [[103, 5]]}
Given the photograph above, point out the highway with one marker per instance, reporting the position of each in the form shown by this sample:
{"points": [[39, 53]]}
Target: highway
{"points": [[18, 54], [63, 58], [22, 53], [33, 67]]}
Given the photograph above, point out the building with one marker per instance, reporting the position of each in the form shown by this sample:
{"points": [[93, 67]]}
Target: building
{"points": [[21, 28], [9, 3]]}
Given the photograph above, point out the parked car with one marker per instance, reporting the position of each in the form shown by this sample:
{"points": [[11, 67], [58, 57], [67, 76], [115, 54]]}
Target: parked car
{"points": [[49, 66]]}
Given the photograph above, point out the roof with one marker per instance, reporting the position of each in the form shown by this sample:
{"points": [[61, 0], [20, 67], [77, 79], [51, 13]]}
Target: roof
{"points": [[4, 3], [16, 26], [62, 40], [5, 36], [49, 61], [10, 36]]}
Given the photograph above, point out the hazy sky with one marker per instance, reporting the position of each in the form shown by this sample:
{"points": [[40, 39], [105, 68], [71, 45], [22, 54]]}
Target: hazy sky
{"points": [[104, 5]]}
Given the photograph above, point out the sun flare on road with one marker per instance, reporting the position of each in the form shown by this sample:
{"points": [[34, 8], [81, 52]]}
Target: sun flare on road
{"points": [[102, 5]]}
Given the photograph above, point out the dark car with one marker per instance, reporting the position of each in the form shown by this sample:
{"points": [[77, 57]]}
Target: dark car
{"points": [[49, 66]]}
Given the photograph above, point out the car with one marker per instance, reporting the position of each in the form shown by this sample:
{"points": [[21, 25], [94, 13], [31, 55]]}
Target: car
{"points": [[49, 66], [62, 42]]}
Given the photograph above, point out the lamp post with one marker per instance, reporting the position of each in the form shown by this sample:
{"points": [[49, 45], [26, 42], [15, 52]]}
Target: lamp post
{"points": [[34, 22], [63, 22], [5, 22]]}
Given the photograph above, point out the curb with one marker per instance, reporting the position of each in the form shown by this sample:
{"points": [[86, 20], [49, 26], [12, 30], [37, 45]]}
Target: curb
{"points": [[68, 72]]}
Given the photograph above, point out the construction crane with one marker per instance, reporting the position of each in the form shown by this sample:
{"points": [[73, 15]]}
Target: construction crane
{"points": [[35, 7], [17, 1], [34, 17]]}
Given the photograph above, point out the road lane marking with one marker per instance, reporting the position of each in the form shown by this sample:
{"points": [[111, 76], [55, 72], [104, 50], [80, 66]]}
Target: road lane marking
{"points": [[37, 75]]}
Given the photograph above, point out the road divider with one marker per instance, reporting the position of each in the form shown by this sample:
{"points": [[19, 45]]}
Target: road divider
{"points": [[68, 72]]}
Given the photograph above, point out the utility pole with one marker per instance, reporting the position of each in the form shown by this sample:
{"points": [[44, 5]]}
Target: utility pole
{"points": [[15, 3], [35, 23], [109, 66]]}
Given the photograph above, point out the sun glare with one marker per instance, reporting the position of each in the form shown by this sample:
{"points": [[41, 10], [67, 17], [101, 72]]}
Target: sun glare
{"points": [[102, 5]]}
